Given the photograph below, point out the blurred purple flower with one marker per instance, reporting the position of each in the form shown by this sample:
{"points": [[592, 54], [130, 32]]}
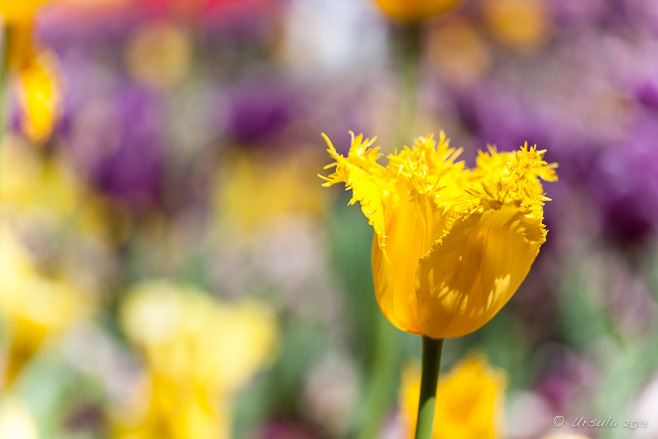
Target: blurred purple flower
{"points": [[568, 378], [133, 171], [75, 35], [118, 140], [646, 93], [497, 115], [259, 111], [625, 184], [241, 26], [577, 14]]}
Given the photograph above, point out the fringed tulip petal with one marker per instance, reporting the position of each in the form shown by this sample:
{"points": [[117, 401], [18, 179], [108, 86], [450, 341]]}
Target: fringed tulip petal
{"points": [[366, 178], [469, 275]]}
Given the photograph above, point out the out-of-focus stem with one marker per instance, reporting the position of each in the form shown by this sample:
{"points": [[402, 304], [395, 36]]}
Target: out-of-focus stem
{"points": [[428, 383], [383, 369], [408, 51], [4, 67]]}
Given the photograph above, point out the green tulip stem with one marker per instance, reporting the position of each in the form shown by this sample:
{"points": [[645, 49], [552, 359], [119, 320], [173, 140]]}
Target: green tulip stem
{"points": [[428, 383]]}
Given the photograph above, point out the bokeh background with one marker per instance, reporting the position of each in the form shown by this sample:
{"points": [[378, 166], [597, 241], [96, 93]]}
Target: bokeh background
{"points": [[170, 266]]}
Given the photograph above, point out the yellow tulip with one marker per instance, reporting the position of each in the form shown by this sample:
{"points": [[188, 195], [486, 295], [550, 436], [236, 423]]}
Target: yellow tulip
{"points": [[415, 10], [38, 85], [469, 401], [451, 244], [33, 308], [199, 352]]}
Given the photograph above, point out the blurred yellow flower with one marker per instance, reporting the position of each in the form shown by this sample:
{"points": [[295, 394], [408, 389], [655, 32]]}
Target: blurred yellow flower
{"points": [[39, 96], [46, 201], [415, 10], [256, 189], [14, 11], [160, 54], [458, 52], [469, 401], [174, 409], [38, 84], [46, 193], [16, 421], [522, 25], [32, 306], [199, 353], [451, 244]]}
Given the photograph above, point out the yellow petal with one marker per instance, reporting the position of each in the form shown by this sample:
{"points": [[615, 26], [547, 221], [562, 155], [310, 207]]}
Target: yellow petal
{"points": [[475, 269], [394, 263], [39, 97], [369, 181], [512, 178]]}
